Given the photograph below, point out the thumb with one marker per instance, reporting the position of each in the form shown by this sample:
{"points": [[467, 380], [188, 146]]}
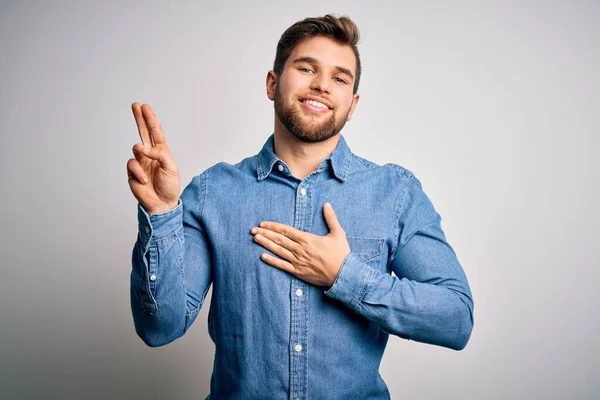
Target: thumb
{"points": [[331, 219]]}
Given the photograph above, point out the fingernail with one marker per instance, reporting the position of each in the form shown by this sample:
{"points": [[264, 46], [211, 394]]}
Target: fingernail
{"points": [[253, 230]]}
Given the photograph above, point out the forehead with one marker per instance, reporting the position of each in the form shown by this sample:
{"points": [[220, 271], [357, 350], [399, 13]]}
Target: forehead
{"points": [[327, 51]]}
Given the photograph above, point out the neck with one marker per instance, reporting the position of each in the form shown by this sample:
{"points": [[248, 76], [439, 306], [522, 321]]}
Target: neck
{"points": [[301, 157]]}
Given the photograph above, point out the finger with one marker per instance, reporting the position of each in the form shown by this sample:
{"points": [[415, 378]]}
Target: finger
{"points": [[141, 124], [159, 154], [135, 171], [331, 219], [277, 238], [156, 131], [278, 263], [286, 230], [138, 152], [274, 247]]}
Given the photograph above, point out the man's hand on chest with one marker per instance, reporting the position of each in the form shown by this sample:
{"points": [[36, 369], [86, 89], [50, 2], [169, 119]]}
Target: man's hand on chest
{"points": [[312, 258]]}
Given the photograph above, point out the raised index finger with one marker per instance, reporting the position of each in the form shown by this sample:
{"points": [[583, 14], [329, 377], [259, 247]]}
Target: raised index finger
{"points": [[156, 132], [141, 124]]}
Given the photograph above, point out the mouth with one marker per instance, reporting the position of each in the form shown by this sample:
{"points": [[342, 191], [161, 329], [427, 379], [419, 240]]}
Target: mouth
{"points": [[314, 105]]}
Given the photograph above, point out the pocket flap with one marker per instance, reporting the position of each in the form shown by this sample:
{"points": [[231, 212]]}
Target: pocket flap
{"points": [[366, 248]]}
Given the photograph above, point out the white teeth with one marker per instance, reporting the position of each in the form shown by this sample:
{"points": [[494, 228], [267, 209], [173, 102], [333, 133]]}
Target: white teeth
{"points": [[316, 104]]}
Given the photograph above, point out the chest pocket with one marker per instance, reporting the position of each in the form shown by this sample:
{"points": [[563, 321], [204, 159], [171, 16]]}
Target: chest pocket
{"points": [[368, 249]]}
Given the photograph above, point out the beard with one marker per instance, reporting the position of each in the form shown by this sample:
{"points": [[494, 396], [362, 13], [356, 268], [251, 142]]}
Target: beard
{"points": [[306, 131]]}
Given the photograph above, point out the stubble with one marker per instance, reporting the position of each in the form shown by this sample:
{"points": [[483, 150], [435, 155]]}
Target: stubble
{"points": [[306, 130]]}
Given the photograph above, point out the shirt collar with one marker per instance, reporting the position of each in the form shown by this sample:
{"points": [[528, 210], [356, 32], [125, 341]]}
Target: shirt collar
{"points": [[339, 159]]}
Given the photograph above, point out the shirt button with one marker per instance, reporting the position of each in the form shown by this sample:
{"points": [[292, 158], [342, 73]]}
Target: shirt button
{"points": [[280, 167], [152, 277], [298, 348], [303, 192], [299, 292], [147, 229]]}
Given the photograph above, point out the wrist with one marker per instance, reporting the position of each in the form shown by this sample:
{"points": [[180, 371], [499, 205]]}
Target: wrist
{"points": [[165, 208], [337, 271]]}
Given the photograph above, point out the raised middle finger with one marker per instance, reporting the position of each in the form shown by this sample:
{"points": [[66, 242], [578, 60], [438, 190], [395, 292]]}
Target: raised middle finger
{"points": [[156, 131], [141, 124]]}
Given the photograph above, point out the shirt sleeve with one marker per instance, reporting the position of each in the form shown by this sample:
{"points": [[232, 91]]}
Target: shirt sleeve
{"points": [[171, 268], [429, 299]]}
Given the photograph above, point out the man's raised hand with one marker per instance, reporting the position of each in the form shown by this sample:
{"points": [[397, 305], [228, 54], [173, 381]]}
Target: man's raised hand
{"points": [[153, 174]]}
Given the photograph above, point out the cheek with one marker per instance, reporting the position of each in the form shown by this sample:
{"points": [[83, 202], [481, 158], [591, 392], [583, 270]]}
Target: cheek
{"points": [[293, 83], [345, 99], [344, 107]]}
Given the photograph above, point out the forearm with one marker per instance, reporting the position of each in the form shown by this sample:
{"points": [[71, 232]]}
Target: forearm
{"points": [[158, 297], [425, 312], [438, 312], [171, 268]]}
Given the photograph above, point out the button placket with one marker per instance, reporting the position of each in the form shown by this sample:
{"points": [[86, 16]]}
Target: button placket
{"points": [[303, 211]]}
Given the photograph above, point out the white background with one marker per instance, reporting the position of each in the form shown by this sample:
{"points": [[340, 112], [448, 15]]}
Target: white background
{"points": [[494, 105]]}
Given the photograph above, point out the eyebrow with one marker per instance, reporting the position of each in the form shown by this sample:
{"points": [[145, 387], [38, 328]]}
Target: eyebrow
{"points": [[311, 60]]}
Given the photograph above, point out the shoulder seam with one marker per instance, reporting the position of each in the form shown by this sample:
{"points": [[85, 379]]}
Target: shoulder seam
{"points": [[204, 189], [398, 168], [364, 162]]}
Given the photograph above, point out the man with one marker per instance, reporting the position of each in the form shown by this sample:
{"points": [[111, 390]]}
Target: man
{"points": [[299, 242]]}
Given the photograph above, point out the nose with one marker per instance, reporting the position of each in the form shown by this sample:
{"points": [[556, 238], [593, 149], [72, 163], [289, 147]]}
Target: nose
{"points": [[320, 82]]}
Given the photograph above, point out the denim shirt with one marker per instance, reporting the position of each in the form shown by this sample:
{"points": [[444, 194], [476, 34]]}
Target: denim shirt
{"points": [[276, 336]]}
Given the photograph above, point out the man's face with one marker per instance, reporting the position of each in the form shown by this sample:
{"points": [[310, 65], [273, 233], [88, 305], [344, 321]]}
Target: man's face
{"points": [[313, 95]]}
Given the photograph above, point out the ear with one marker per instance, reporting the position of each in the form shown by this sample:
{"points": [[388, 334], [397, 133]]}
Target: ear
{"points": [[271, 84], [353, 106]]}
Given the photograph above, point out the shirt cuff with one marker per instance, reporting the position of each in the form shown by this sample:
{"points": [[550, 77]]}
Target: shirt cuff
{"points": [[351, 282], [157, 226]]}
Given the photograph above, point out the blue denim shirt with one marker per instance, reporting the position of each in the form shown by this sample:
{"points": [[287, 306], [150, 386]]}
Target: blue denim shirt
{"points": [[276, 336]]}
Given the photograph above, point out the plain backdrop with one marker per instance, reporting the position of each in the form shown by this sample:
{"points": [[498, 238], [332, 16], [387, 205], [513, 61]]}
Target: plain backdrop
{"points": [[494, 105]]}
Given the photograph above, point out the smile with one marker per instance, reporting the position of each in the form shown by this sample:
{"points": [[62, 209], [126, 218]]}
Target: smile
{"points": [[315, 106]]}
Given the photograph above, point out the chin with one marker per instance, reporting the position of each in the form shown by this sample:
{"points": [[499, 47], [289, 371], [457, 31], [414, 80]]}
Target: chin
{"points": [[313, 136]]}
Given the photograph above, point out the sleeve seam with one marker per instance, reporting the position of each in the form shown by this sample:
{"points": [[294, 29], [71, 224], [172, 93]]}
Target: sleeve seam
{"points": [[204, 191], [399, 207], [201, 203]]}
